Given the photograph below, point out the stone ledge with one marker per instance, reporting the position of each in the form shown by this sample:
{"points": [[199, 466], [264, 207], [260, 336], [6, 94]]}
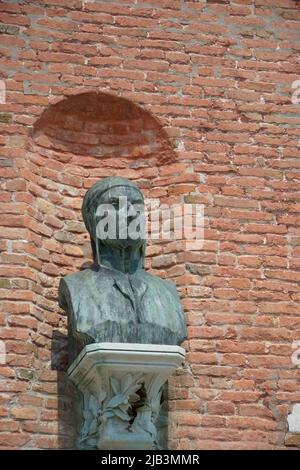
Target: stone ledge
{"points": [[292, 439]]}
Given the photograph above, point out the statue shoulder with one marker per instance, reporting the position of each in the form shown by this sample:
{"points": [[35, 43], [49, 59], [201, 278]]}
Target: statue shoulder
{"points": [[161, 284], [72, 285]]}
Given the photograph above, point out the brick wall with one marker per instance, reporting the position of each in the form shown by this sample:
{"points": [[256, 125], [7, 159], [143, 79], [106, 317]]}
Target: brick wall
{"points": [[193, 101]]}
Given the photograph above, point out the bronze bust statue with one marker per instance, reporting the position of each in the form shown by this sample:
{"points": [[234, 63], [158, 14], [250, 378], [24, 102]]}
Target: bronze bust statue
{"points": [[116, 300]]}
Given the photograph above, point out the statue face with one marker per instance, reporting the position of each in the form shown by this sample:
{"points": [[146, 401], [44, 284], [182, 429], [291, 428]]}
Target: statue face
{"points": [[120, 217]]}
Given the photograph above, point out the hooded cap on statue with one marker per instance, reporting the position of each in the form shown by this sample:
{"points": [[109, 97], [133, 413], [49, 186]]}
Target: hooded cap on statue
{"points": [[91, 201]]}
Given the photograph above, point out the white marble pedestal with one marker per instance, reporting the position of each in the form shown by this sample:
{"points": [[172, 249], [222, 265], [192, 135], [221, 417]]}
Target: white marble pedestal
{"points": [[120, 386]]}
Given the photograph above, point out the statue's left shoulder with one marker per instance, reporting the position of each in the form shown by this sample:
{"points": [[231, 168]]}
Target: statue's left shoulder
{"points": [[166, 306], [162, 285]]}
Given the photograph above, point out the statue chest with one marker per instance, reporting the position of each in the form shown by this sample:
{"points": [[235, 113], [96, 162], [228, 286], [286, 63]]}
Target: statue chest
{"points": [[122, 306], [117, 314]]}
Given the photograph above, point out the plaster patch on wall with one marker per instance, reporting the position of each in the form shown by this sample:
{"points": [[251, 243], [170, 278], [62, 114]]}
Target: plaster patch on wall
{"points": [[294, 419]]}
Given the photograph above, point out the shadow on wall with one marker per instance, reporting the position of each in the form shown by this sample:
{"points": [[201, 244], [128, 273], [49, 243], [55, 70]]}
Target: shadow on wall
{"points": [[67, 424], [74, 143]]}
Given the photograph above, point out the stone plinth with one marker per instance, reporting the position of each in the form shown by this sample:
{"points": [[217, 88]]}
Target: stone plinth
{"points": [[121, 388]]}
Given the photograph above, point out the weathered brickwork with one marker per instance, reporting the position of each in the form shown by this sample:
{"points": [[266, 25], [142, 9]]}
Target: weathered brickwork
{"points": [[197, 102]]}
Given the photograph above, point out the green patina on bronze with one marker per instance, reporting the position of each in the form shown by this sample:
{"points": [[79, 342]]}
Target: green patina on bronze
{"points": [[116, 300]]}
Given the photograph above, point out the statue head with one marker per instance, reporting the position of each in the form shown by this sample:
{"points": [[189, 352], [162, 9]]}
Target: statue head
{"points": [[113, 213]]}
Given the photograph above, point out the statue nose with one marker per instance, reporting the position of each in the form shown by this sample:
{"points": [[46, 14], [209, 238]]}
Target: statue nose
{"points": [[131, 212]]}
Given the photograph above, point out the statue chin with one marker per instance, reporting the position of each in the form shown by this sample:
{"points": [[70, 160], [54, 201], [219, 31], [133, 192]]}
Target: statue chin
{"points": [[122, 243]]}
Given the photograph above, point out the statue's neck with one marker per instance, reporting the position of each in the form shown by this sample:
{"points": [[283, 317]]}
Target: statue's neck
{"points": [[127, 260]]}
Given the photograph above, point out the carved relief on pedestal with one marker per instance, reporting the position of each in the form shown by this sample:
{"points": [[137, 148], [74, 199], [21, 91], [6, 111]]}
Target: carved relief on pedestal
{"points": [[124, 408]]}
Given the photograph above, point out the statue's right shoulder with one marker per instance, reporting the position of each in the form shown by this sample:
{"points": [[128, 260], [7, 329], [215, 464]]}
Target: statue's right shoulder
{"points": [[73, 285]]}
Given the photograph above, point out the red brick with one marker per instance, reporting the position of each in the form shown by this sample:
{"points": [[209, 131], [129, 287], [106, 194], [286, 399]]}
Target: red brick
{"points": [[24, 413], [224, 134]]}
